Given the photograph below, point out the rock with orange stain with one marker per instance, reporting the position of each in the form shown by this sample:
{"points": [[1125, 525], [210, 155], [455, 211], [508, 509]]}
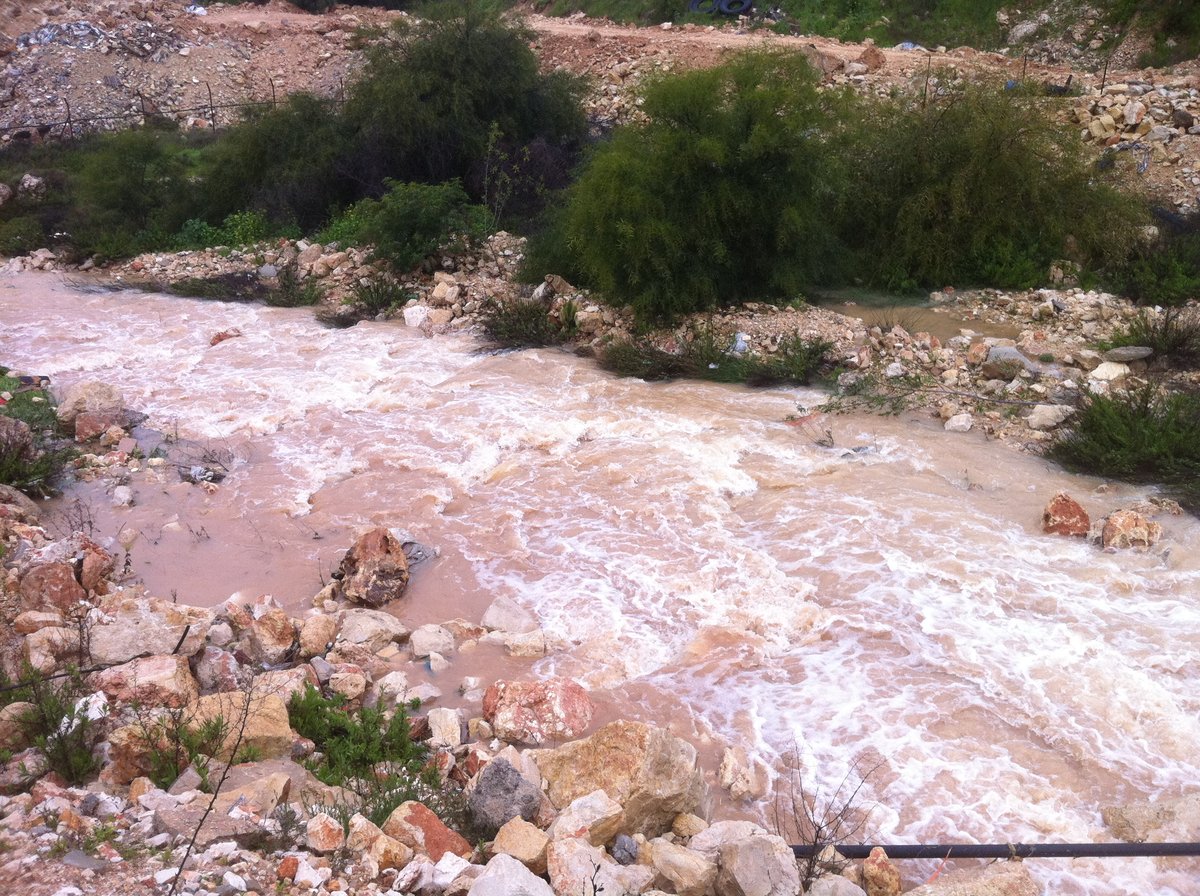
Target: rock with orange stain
{"points": [[1064, 516]]}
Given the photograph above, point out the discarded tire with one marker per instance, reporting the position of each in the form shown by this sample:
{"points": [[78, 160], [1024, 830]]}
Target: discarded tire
{"points": [[707, 7], [736, 7]]}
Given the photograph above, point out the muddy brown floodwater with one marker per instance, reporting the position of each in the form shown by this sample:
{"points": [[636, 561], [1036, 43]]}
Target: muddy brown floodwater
{"points": [[701, 563]]}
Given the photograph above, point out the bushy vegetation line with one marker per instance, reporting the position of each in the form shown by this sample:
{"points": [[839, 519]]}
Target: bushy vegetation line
{"points": [[746, 181], [1146, 435], [454, 104]]}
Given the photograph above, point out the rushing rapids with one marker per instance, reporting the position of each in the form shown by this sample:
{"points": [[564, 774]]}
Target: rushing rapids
{"points": [[887, 602]]}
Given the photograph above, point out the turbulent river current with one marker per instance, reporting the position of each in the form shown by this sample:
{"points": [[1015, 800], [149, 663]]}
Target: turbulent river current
{"points": [[888, 602]]}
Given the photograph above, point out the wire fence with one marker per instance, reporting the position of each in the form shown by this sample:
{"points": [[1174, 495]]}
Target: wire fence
{"points": [[71, 125]]}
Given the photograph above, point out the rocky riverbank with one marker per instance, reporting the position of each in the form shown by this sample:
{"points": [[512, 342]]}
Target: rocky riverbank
{"points": [[554, 812]]}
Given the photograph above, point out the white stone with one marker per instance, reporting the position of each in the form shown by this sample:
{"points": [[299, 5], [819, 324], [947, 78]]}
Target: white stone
{"points": [[959, 423], [1109, 371], [416, 315], [1048, 416], [445, 727], [427, 639], [505, 876]]}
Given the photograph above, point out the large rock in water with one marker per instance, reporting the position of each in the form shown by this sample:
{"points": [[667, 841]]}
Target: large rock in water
{"points": [[1161, 821], [374, 570], [539, 711], [1003, 879], [90, 397], [649, 771], [1129, 529], [1064, 516]]}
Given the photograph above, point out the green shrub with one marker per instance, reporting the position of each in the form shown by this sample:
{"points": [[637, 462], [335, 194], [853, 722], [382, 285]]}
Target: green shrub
{"points": [[707, 357], [371, 755], [521, 324], [21, 235], [413, 221], [1165, 271], [287, 163], [432, 96], [979, 187], [56, 725], [724, 194], [173, 743], [379, 296], [1144, 435], [1174, 333], [293, 291]]}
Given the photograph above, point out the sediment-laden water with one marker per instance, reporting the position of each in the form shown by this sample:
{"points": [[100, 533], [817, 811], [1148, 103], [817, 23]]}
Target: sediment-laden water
{"points": [[704, 564]]}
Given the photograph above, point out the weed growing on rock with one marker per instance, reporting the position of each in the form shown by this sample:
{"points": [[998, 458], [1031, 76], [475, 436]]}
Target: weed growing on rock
{"points": [[1173, 333], [31, 456], [57, 723]]}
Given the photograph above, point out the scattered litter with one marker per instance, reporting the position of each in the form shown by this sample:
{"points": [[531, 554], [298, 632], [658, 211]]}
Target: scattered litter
{"points": [[196, 10]]}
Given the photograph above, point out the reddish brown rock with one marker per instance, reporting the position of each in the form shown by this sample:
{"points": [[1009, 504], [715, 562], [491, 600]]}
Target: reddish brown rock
{"points": [[872, 58], [374, 570], [288, 866], [880, 876], [1064, 516], [537, 712], [1129, 529], [414, 825], [51, 586], [98, 565], [93, 424], [272, 637], [977, 353]]}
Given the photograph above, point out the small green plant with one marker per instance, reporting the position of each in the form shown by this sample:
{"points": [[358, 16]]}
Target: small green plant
{"points": [[174, 743], [521, 324], [1142, 435], [379, 296], [1173, 333], [58, 723], [373, 756], [293, 291], [31, 457], [413, 221]]}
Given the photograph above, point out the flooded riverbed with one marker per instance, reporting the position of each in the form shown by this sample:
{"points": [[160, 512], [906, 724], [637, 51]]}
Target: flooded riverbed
{"points": [[703, 564]]}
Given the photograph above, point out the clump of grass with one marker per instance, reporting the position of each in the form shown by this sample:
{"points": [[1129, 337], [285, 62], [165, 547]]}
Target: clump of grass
{"points": [[230, 287], [379, 296], [1143, 435], [522, 324], [707, 357], [1174, 333], [293, 291]]}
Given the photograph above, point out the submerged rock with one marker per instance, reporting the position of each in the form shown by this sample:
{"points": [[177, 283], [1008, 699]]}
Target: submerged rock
{"points": [[374, 570]]}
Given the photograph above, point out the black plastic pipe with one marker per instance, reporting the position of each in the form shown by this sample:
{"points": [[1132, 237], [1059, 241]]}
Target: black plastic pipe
{"points": [[1005, 850]]}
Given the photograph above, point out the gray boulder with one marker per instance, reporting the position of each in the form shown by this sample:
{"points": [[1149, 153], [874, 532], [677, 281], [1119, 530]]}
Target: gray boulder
{"points": [[501, 794]]}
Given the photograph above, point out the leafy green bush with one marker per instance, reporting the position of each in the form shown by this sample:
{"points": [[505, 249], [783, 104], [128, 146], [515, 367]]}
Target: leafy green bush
{"points": [[521, 324], [293, 291], [371, 755], [979, 187], [1165, 271], [431, 98], [286, 163], [1144, 435], [724, 194], [1174, 333], [413, 221], [380, 295]]}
